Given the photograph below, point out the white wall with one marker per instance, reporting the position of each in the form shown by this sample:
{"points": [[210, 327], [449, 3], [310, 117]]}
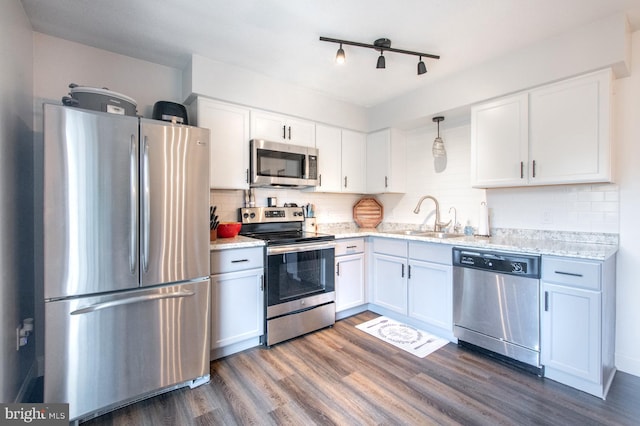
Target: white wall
{"points": [[598, 45], [232, 84], [57, 63], [450, 187], [16, 195], [627, 125]]}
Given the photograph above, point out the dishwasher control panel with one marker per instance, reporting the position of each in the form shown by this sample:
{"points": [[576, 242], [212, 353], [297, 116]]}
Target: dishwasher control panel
{"points": [[500, 262]]}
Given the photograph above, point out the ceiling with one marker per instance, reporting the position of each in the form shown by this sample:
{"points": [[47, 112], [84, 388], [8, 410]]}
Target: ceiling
{"points": [[279, 38]]}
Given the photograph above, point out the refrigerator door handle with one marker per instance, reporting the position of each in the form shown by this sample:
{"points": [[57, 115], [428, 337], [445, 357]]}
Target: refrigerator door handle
{"points": [[133, 181], [131, 300], [146, 208]]}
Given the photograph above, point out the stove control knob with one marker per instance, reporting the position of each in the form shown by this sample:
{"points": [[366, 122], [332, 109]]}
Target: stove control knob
{"points": [[252, 215], [245, 215]]}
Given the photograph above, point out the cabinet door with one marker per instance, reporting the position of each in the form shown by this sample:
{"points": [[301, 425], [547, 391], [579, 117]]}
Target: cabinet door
{"points": [[282, 128], [353, 162], [237, 307], [430, 293], [349, 281], [386, 162], [569, 131], [270, 127], [229, 143], [499, 142], [300, 132], [389, 282], [329, 144], [570, 331]]}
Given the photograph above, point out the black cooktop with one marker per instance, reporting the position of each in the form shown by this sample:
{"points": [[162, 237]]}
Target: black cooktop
{"points": [[288, 237]]}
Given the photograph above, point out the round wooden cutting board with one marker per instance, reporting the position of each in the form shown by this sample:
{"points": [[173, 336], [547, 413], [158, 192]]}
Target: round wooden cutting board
{"points": [[368, 213]]}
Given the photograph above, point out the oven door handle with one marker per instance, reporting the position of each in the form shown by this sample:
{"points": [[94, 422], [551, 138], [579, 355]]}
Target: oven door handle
{"points": [[296, 248]]}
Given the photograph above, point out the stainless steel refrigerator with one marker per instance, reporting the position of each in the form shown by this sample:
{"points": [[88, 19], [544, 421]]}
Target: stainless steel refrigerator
{"points": [[126, 258]]}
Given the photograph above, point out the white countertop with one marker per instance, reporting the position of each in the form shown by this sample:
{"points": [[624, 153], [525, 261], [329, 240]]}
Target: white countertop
{"points": [[513, 243], [593, 251]]}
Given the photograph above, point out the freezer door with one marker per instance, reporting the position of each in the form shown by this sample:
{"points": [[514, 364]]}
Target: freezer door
{"points": [[174, 201], [90, 202], [105, 351]]}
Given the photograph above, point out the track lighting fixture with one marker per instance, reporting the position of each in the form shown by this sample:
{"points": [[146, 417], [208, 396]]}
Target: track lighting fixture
{"points": [[381, 44], [381, 62], [340, 55], [422, 68]]}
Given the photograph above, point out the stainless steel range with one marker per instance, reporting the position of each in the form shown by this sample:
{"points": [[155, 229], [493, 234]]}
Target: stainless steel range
{"points": [[299, 272]]}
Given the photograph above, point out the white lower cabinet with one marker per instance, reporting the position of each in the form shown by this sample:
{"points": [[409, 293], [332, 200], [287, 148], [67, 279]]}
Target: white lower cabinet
{"points": [[350, 277], [389, 274], [577, 323], [237, 300], [430, 285], [414, 279]]}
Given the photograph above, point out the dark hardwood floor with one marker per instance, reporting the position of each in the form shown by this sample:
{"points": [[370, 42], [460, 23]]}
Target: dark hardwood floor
{"points": [[343, 376]]}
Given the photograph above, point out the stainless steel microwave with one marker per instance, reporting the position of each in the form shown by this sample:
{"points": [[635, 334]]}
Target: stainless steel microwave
{"points": [[276, 164]]}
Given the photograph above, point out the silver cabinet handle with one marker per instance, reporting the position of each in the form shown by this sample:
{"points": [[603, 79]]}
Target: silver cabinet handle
{"points": [[345, 181], [284, 131], [403, 270], [133, 201], [546, 301], [146, 206], [571, 274], [261, 282], [351, 247], [239, 260], [289, 132], [297, 248], [338, 269], [247, 172], [522, 170], [534, 168], [320, 180], [409, 271], [386, 182], [131, 300]]}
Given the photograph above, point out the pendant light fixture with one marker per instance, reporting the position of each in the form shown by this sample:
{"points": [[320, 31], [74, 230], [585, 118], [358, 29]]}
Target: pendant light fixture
{"points": [[438, 144], [381, 44]]}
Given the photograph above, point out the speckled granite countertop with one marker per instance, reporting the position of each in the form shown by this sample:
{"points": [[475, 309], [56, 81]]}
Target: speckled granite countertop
{"points": [[233, 243], [578, 245], [592, 246]]}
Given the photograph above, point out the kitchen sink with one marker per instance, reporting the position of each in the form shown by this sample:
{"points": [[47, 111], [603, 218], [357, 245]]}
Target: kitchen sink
{"points": [[429, 234]]}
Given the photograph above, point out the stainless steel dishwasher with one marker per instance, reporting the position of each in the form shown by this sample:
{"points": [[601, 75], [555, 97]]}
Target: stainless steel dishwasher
{"points": [[496, 304]]}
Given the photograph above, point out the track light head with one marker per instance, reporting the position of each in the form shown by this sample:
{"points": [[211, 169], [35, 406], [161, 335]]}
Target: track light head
{"points": [[381, 62], [422, 68], [340, 55]]}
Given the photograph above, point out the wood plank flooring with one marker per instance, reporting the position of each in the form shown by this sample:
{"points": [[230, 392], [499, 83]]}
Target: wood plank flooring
{"points": [[343, 376]]}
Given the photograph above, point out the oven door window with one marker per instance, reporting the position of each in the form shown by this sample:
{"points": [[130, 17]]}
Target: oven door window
{"points": [[280, 164], [296, 275]]}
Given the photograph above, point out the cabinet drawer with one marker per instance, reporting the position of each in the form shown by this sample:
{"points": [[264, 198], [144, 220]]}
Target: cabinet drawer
{"points": [[236, 259], [436, 253], [350, 246], [389, 246], [577, 273]]}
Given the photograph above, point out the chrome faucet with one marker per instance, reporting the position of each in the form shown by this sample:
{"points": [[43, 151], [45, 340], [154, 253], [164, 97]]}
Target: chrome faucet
{"points": [[437, 225]]}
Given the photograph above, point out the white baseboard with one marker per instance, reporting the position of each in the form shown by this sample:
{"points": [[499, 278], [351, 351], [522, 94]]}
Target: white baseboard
{"points": [[26, 383], [628, 364]]}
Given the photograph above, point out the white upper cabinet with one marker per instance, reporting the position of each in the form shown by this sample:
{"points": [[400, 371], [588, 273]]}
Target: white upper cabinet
{"points": [[341, 160], [556, 134], [329, 144], [353, 162], [386, 162], [282, 128], [569, 131], [229, 142], [499, 142]]}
